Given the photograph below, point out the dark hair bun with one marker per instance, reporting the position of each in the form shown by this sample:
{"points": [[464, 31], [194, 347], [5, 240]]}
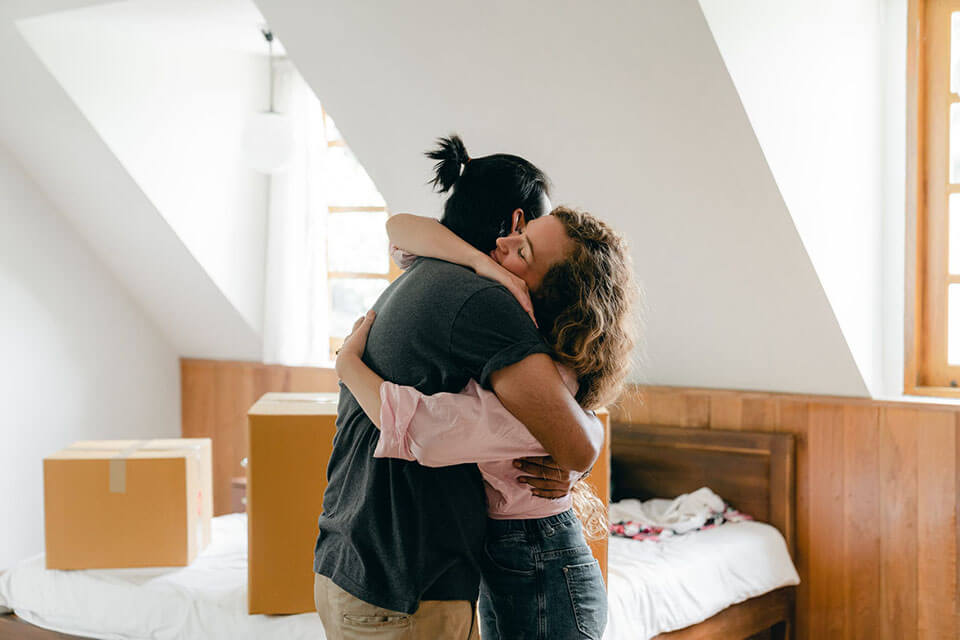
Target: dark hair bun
{"points": [[451, 157]]}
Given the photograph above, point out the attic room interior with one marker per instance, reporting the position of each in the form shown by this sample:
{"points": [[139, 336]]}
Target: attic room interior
{"points": [[619, 320]]}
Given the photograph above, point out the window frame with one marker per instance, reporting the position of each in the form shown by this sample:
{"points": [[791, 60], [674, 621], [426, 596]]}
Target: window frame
{"points": [[928, 189], [393, 271]]}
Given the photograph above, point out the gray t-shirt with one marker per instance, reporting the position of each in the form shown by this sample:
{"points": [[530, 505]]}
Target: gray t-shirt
{"points": [[392, 532]]}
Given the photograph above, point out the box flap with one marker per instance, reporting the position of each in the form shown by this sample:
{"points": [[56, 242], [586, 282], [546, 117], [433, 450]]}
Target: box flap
{"points": [[296, 404]]}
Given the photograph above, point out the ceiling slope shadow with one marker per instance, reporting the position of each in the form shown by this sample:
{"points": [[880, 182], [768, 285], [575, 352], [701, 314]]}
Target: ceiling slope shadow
{"points": [[630, 110], [61, 150], [814, 79]]}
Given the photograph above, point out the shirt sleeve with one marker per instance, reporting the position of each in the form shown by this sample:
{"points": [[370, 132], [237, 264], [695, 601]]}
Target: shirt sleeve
{"points": [[492, 331], [403, 259], [450, 428]]}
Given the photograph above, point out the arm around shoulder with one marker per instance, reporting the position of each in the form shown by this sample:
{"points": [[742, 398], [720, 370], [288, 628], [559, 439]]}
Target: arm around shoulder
{"points": [[533, 391]]}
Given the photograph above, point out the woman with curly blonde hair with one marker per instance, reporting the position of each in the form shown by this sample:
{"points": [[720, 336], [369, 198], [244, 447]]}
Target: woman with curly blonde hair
{"points": [[539, 577]]}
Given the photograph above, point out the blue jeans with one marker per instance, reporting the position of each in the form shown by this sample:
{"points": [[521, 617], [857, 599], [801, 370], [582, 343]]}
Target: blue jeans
{"points": [[540, 581]]}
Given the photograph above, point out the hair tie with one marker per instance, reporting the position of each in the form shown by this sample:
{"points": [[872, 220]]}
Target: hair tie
{"points": [[463, 165]]}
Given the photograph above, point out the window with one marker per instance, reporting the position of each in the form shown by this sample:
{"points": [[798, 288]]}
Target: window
{"points": [[933, 199], [358, 261]]}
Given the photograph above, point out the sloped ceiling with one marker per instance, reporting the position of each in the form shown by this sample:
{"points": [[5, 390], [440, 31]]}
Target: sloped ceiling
{"points": [[50, 138], [628, 107]]}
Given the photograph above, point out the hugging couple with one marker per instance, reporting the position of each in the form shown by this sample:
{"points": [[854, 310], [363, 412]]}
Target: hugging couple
{"points": [[465, 421]]}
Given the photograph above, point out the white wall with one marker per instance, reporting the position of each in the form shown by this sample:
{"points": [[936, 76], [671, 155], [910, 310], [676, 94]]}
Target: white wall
{"points": [[818, 80], [173, 111], [80, 359], [629, 108], [894, 227]]}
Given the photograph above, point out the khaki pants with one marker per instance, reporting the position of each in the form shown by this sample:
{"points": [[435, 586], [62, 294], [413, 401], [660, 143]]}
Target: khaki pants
{"points": [[346, 617]]}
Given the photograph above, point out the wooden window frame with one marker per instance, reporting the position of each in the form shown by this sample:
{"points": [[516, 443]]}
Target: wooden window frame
{"points": [[928, 188], [393, 271]]}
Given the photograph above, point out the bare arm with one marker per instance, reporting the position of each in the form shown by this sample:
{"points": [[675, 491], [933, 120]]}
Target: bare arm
{"points": [[533, 391], [360, 379], [427, 237]]}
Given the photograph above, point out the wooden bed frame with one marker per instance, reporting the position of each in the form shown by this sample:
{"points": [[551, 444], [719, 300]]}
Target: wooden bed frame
{"points": [[754, 472]]}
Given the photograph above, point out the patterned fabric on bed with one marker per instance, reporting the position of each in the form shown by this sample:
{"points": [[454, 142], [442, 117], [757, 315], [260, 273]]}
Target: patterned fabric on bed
{"points": [[657, 519]]}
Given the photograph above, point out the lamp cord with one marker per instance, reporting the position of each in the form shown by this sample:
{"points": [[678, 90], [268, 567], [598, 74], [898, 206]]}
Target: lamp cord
{"points": [[268, 35]]}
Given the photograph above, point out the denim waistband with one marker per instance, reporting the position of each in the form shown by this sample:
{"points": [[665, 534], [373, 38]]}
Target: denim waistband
{"points": [[533, 525]]}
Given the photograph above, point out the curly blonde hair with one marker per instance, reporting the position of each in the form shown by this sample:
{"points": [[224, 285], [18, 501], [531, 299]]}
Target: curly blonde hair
{"points": [[585, 307]]}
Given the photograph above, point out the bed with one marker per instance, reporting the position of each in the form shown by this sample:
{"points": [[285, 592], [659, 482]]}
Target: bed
{"points": [[754, 472]]}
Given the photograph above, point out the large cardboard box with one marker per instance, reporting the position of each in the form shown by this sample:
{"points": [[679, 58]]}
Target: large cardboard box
{"points": [[290, 439], [127, 503]]}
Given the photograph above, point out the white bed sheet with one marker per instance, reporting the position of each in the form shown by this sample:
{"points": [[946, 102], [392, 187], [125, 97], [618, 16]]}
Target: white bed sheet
{"points": [[655, 587], [207, 599]]}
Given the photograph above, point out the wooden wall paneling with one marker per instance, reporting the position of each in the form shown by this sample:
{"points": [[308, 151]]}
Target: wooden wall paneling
{"points": [[936, 525], [826, 552], [759, 412], [898, 523], [658, 405], [861, 535], [215, 397], [749, 411], [725, 410], [234, 391], [668, 408]]}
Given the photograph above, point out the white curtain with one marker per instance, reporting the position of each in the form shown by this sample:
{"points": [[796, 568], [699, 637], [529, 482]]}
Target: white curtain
{"points": [[296, 323]]}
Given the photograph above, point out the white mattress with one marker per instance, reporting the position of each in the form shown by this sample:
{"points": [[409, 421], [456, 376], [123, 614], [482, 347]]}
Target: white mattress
{"points": [[208, 599], [654, 587]]}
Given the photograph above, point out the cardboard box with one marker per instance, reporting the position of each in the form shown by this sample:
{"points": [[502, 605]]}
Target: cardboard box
{"points": [[290, 440], [127, 503]]}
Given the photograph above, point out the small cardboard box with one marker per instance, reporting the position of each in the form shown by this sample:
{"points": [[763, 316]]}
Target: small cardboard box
{"points": [[127, 503], [291, 438]]}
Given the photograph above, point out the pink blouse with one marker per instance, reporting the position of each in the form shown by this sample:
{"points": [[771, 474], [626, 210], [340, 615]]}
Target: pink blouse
{"points": [[470, 426]]}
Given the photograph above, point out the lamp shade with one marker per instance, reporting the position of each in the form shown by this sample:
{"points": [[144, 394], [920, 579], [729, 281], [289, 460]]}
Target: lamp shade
{"points": [[268, 143]]}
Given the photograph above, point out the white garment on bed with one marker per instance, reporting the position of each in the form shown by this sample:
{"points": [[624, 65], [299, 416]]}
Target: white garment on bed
{"points": [[684, 513]]}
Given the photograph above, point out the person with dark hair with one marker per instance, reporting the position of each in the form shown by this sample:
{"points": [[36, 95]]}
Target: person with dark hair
{"points": [[540, 579], [489, 191], [399, 544]]}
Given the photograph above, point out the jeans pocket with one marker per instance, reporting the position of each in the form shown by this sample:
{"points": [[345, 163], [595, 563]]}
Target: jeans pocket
{"points": [[588, 597], [377, 621], [511, 556]]}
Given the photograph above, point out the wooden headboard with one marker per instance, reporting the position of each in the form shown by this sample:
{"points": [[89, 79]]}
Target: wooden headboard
{"points": [[754, 472]]}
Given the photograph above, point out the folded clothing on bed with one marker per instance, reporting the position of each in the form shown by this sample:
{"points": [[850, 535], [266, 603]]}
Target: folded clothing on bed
{"points": [[659, 518]]}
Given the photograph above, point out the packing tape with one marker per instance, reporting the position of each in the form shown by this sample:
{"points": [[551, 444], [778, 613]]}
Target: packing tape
{"points": [[118, 462]]}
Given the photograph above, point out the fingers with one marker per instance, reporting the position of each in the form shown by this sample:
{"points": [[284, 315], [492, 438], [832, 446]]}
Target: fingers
{"points": [[541, 471], [356, 325], [552, 489]]}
